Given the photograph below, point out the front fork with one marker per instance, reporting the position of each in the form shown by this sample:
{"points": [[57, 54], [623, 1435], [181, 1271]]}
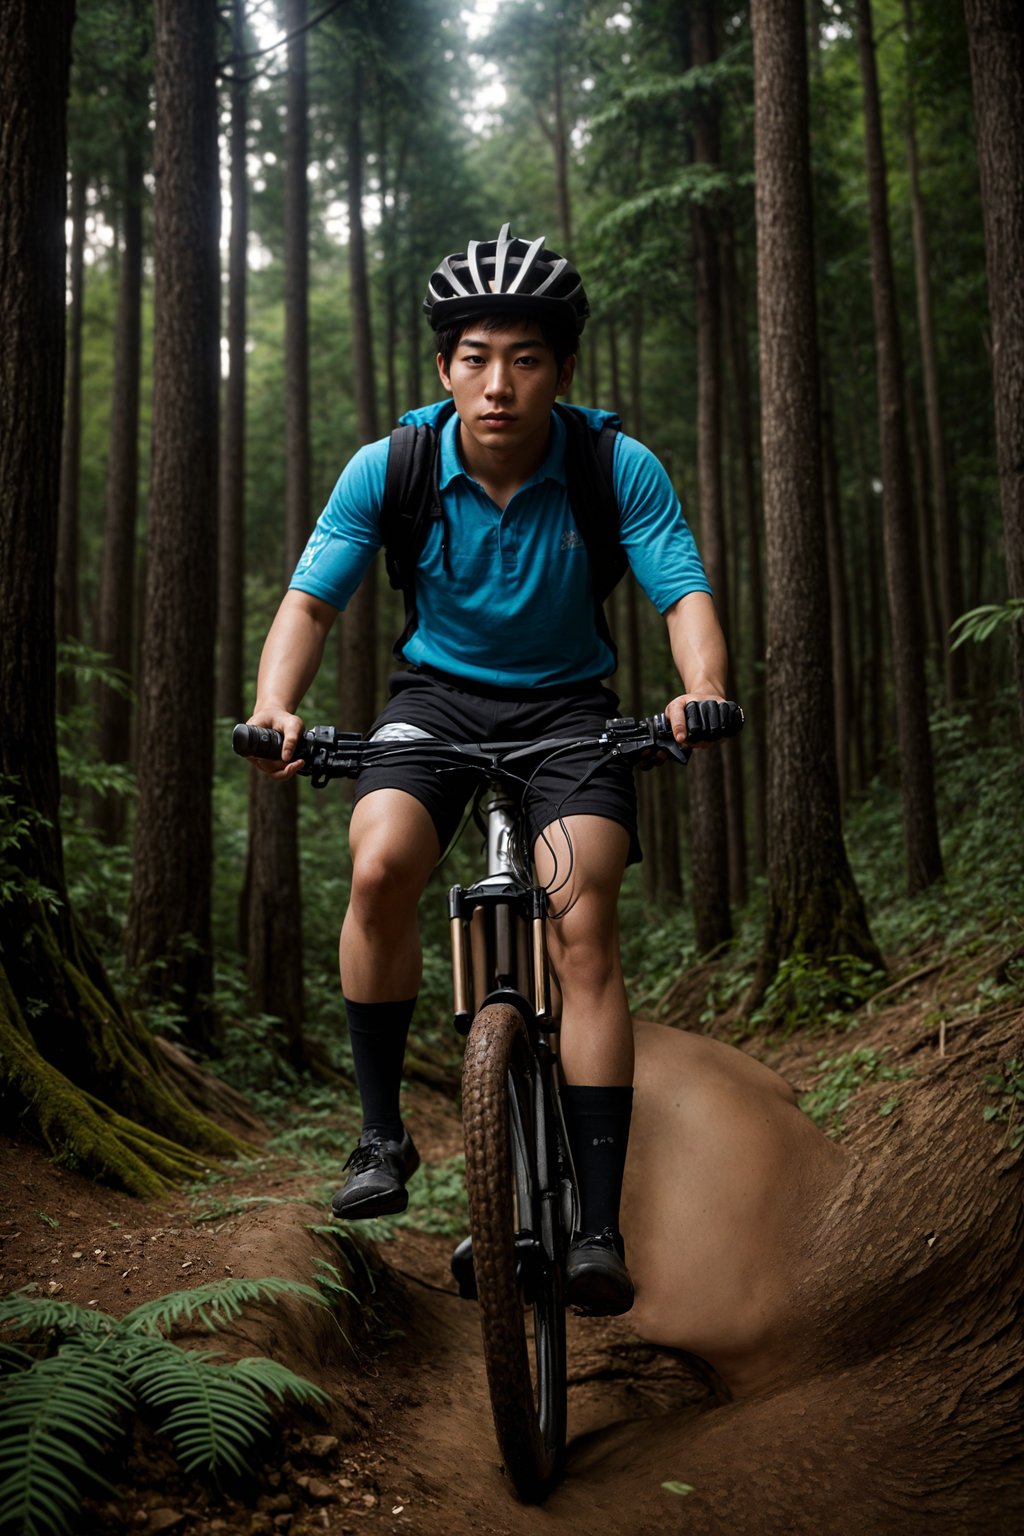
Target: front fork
{"points": [[499, 955]]}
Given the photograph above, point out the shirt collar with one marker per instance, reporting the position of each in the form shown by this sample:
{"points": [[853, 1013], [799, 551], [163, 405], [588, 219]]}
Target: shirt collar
{"points": [[553, 467]]}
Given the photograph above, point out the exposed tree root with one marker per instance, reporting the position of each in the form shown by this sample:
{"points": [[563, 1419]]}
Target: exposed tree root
{"points": [[80, 1072]]}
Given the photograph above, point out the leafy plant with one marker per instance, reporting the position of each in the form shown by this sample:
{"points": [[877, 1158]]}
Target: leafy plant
{"points": [[682, 1489], [812, 996], [1009, 1086], [841, 1077], [72, 1376], [979, 623]]}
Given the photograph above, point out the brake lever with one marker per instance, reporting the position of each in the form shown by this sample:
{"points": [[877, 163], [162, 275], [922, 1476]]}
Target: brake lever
{"points": [[643, 742]]}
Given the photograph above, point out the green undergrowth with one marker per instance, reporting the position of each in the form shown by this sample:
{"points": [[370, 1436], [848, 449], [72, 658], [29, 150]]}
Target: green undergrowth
{"points": [[977, 906], [838, 1078], [74, 1379], [317, 1135], [1006, 1087]]}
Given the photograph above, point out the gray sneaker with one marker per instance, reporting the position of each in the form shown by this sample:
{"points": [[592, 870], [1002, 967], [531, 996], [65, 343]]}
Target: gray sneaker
{"points": [[596, 1278], [379, 1170]]}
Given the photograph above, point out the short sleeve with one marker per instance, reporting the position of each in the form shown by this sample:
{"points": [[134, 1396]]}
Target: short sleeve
{"points": [[347, 532]]}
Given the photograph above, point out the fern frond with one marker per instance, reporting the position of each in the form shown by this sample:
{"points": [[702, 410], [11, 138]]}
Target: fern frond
{"points": [[35, 1315], [214, 1304], [351, 1247], [216, 1412], [271, 1376], [52, 1418], [328, 1278]]}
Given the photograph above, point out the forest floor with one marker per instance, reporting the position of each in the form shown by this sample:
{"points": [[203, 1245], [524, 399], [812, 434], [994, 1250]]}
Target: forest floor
{"points": [[407, 1444]]}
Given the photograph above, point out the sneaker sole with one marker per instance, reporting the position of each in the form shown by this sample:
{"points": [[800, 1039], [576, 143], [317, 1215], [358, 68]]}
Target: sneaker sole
{"points": [[597, 1295], [374, 1205]]}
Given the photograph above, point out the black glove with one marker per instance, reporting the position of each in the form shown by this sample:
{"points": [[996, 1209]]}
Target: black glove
{"points": [[708, 720]]}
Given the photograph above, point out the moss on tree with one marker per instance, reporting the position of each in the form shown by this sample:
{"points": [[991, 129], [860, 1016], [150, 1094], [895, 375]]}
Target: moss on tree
{"points": [[81, 1073]]}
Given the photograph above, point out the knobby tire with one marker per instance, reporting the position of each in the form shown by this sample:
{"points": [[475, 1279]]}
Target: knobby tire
{"points": [[527, 1398]]}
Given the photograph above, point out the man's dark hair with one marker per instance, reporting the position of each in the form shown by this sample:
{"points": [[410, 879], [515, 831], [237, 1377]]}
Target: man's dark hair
{"points": [[562, 339]]}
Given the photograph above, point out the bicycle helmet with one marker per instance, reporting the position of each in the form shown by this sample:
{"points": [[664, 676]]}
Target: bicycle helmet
{"points": [[508, 276]]}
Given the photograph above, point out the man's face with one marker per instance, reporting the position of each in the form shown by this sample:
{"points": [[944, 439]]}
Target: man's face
{"points": [[504, 384]]}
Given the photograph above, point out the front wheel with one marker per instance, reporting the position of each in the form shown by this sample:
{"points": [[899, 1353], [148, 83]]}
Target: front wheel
{"points": [[516, 1258]]}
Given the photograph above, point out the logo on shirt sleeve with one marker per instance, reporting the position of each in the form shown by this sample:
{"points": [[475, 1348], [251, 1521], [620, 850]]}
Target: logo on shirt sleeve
{"points": [[571, 539], [317, 540]]}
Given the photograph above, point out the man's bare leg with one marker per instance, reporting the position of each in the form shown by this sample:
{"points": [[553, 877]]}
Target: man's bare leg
{"points": [[581, 861], [394, 848]]}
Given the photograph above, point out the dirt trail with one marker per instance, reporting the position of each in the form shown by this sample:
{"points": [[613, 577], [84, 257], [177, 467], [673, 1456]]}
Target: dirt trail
{"points": [[900, 1417], [415, 1447]]}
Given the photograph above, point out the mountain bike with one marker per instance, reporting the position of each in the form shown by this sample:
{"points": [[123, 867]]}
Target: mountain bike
{"points": [[522, 1192]]}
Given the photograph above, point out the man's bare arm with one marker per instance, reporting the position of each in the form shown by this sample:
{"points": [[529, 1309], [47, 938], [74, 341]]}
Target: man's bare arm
{"points": [[291, 657], [699, 652]]}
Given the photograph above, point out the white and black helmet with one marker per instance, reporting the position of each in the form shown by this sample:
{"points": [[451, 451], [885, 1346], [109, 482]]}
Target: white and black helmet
{"points": [[506, 275]]}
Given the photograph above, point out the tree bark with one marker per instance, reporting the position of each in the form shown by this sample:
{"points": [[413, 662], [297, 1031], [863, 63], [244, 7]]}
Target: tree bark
{"points": [[73, 1065], [272, 896], [814, 909], [69, 618], [715, 820], [902, 568], [298, 492], [947, 533], [753, 692], [231, 507], [358, 655], [115, 622], [839, 608], [168, 934], [996, 34]]}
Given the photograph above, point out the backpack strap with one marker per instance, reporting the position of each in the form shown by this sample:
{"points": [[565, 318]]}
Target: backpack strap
{"points": [[412, 500], [590, 482]]}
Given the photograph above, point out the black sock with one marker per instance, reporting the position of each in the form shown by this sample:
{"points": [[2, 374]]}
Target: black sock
{"points": [[597, 1120], [378, 1032]]}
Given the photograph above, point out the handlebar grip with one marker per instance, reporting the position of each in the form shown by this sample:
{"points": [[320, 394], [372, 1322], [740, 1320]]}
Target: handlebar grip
{"points": [[256, 741]]}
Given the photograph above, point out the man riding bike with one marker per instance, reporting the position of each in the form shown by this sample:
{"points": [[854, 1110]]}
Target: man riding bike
{"points": [[505, 641]]}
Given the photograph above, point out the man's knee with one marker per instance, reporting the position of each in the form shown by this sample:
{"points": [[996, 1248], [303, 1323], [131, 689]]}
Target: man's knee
{"points": [[394, 849], [584, 952], [383, 876]]}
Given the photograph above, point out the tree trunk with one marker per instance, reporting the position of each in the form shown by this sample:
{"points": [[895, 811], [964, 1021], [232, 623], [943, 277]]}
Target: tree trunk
{"points": [[271, 906], [934, 632], [115, 623], [870, 733], [996, 34], [560, 145], [753, 692], [715, 822], [814, 907], [298, 492], [839, 608], [947, 533], [168, 934], [69, 618], [903, 580], [358, 657], [73, 1065], [839, 603], [414, 374], [231, 541]]}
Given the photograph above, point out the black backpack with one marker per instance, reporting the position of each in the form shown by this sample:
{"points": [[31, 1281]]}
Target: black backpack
{"points": [[412, 500]]}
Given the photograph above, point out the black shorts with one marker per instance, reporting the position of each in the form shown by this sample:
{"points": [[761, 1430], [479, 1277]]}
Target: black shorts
{"points": [[453, 710]]}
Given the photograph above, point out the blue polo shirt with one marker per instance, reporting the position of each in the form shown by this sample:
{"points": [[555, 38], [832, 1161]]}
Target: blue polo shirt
{"points": [[508, 602]]}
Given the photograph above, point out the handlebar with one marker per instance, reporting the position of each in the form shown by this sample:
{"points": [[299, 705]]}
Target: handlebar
{"points": [[329, 753]]}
